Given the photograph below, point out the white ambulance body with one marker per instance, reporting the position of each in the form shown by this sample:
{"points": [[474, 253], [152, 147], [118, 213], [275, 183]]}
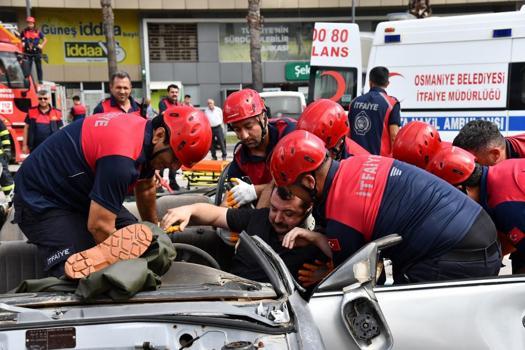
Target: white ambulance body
{"points": [[448, 71]]}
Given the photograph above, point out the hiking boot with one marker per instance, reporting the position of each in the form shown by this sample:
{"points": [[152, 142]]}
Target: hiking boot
{"points": [[129, 242]]}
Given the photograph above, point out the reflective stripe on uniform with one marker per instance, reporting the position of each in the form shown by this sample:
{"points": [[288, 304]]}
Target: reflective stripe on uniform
{"points": [[9, 188], [4, 132], [6, 142]]}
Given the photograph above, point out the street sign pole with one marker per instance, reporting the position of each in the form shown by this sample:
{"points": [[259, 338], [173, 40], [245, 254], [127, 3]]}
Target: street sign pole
{"points": [[28, 8], [353, 11]]}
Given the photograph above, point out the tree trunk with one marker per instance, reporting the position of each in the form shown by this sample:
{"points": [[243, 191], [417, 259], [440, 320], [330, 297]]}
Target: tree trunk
{"points": [[254, 24], [109, 24]]}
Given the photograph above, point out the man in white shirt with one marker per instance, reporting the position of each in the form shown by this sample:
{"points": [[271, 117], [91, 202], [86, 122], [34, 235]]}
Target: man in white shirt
{"points": [[214, 115]]}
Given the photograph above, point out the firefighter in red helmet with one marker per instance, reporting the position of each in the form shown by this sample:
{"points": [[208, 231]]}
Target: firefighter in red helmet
{"points": [[245, 112], [69, 191]]}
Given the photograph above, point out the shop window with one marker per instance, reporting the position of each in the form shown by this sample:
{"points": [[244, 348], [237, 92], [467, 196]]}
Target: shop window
{"points": [[173, 42]]}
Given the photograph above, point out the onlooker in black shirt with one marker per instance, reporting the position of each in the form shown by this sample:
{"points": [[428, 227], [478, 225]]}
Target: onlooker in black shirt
{"points": [[285, 215]]}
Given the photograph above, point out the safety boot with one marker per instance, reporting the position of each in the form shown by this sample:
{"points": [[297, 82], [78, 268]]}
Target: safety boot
{"points": [[127, 243]]}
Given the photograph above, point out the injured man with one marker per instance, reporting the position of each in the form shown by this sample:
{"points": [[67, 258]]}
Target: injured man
{"points": [[281, 226]]}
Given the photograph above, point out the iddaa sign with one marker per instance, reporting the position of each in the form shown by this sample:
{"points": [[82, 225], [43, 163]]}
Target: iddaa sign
{"points": [[90, 51]]}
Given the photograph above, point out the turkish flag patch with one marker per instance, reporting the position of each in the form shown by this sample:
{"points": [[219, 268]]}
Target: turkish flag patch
{"points": [[516, 235], [334, 244]]}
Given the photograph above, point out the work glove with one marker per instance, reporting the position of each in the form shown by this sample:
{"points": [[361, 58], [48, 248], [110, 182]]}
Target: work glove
{"points": [[242, 193], [310, 274], [228, 237], [173, 229]]}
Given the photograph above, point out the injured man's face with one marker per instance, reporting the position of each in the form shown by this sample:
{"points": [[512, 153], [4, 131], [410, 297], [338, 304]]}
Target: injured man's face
{"points": [[286, 211]]}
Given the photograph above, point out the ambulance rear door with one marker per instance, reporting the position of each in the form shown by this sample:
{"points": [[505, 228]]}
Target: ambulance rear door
{"points": [[335, 63]]}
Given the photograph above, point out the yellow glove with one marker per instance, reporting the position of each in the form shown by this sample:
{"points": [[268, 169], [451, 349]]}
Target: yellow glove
{"points": [[173, 229]]}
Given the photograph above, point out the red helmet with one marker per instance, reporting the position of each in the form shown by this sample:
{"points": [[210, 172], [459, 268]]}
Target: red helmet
{"points": [[190, 133], [297, 153], [416, 143], [454, 165], [30, 19], [446, 144], [242, 104], [326, 119]]}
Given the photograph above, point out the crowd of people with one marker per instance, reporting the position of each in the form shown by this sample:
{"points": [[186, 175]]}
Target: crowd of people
{"points": [[316, 190]]}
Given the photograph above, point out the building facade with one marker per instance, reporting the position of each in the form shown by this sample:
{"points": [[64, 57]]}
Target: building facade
{"points": [[202, 44]]}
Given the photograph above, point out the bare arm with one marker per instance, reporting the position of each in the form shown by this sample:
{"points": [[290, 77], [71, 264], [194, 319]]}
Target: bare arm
{"points": [[393, 129], [300, 237], [101, 222], [264, 194], [197, 214], [146, 194], [44, 42]]}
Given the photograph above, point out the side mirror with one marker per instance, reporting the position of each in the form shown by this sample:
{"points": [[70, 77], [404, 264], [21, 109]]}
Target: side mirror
{"points": [[360, 268], [359, 313]]}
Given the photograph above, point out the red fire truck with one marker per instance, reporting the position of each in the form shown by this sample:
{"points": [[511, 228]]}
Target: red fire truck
{"points": [[18, 90]]}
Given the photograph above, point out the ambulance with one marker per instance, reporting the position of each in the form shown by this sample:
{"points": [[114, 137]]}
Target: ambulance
{"points": [[336, 62], [451, 70], [445, 71]]}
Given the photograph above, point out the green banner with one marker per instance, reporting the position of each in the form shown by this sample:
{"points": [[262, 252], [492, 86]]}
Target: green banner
{"points": [[297, 71], [279, 42]]}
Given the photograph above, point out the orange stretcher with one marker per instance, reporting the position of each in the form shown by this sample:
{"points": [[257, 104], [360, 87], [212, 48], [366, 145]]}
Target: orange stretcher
{"points": [[204, 173]]}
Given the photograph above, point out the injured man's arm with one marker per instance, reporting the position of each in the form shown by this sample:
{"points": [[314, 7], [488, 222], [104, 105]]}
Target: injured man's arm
{"points": [[196, 214]]}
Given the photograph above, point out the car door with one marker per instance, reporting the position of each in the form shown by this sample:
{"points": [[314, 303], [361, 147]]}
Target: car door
{"points": [[344, 306], [472, 314]]}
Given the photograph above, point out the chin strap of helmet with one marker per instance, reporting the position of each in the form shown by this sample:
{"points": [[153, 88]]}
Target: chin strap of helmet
{"points": [[311, 191], [162, 150], [264, 127], [475, 178], [338, 152]]}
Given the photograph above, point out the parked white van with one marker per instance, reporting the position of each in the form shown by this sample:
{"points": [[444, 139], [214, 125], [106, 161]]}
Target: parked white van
{"points": [[284, 103], [448, 71]]}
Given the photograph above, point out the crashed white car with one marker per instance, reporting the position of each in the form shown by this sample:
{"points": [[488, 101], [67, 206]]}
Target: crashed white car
{"points": [[203, 307], [196, 307]]}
